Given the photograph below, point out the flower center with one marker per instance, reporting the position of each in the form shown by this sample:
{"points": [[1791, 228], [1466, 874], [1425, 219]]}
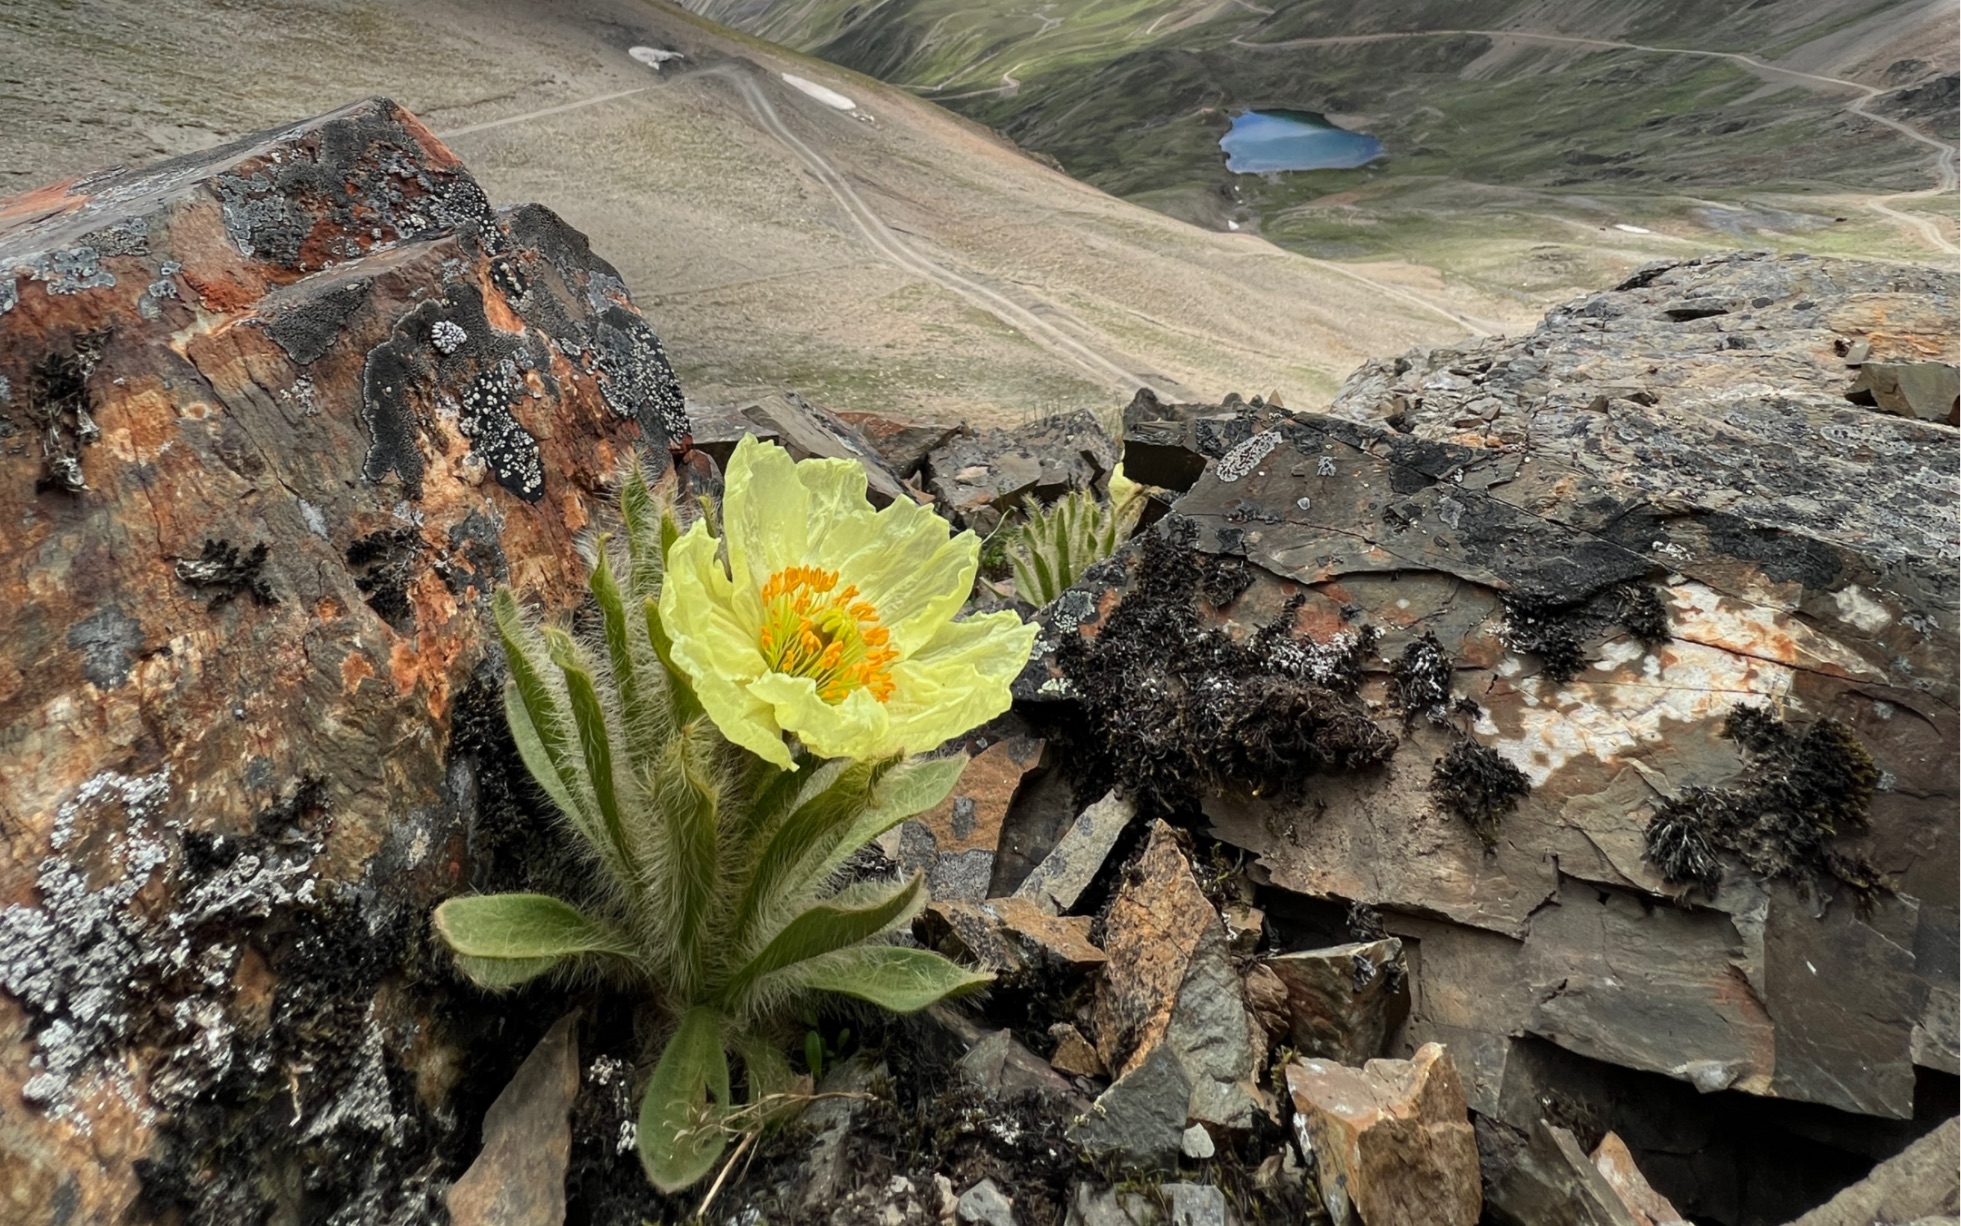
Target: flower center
{"points": [[813, 629]]}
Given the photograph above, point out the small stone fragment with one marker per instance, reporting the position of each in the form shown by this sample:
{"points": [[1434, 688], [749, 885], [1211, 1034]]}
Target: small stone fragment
{"points": [[1198, 1143], [1073, 1055], [985, 1205], [1062, 876], [519, 1177], [1391, 1141], [1141, 1118], [954, 842], [1342, 1002], [1648, 1207], [1195, 1204], [1011, 937]]}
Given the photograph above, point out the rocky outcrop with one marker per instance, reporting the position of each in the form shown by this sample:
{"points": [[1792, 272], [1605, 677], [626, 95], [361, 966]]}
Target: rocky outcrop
{"points": [[1917, 1185], [274, 421], [978, 477], [1613, 665]]}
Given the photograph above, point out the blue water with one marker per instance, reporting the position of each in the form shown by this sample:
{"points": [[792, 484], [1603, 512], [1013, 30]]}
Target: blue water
{"points": [[1263, 141]]}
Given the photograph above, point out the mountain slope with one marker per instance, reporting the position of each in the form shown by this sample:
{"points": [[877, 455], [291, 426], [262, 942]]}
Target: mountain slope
{"points": [[1510, 124], [893, 257]]}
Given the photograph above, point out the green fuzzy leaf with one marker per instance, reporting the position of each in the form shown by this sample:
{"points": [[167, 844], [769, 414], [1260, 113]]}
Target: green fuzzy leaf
{"points": [[889, 976], [685, 790], [545, 725], [910, 787], [642, 713], [525, 933], [498, 973], [826, 928], [595, 747], [646, 551], [681, 1133], [837, 793], [687, 708]]}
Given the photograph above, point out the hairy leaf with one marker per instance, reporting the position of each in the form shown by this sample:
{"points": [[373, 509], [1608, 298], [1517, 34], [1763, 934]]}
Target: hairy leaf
{"points": [[646, 551], [527, 932], [890, 976], [543, 734], [910, 787], [496, 973], [828, 927], [643, 711], [837, 794], [595, 746], [681, 1115]]}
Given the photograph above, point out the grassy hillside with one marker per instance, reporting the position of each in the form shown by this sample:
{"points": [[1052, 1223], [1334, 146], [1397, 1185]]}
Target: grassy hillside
{"points": [[1506, 130]]}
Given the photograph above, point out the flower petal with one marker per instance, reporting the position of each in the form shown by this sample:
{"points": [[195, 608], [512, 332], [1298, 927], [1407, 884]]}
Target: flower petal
{"points": [[765, 513], [715, 646], [859, 727], [958, 681], [903, 563]]}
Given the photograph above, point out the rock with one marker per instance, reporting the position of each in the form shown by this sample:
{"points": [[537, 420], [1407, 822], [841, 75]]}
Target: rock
{"points": [[902, 442], [805, 430], [1920, 1182], [1062, 876], [1141, 1119], [280, 417], [826, 1171], [1645, 1205], [1342, 1002], [1197, 1143], [1245, 925], [995, 1062], [1605, 591], [984, 1205], [519, 1177], [1074, 1056], [1391, 1141], [977, 477], [1169, 445], [1184, 1204], [1011, 937], [953, 843], [1170, 983], [1266, 1000], [1195, 1204], [1552, 1180], [1930, 391]]}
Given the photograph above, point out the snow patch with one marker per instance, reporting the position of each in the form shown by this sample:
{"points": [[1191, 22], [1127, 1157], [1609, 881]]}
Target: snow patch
{"points": [[829, 97]]}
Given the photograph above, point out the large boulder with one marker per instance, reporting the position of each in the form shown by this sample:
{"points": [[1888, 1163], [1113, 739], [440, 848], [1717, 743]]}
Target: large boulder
{"points": [[274, 421], [1615, 664]]}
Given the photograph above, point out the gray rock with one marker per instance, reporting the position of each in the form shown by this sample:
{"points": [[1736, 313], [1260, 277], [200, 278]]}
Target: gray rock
{"points": [[984, 1205], [1920, 1182], [1062, 876], [1141, 1118], [978, 477], [1925, 390], [519, 1177], [1198, 1143], [1195, 1204], [805, 429], [825, 1171], [1553, 1181]]}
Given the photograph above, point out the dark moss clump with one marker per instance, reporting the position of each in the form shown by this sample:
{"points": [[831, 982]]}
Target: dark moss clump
{"points": [[1171, 709], [58, 402], [1557, 630], [1420, 681], [1801, 789], [1479, 785], [226, 573]]}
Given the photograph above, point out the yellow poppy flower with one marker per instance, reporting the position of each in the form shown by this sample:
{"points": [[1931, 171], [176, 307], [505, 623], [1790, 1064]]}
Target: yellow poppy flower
{"points": [[818, 616]]}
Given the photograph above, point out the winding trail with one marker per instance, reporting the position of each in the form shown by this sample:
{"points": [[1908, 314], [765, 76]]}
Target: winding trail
{"points": [[1098, 367], [1944, 160]]}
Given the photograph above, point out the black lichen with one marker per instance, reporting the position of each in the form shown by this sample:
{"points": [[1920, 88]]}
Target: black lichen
{"points": [[1642, 613], [57, 408], [1478, 784], [387, 561], [224, 572], [1173, 709], [1801, 789]]}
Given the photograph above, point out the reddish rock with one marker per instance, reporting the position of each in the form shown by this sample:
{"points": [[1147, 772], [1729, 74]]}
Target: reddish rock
{"points": [[1645, 1205], [902, 442], [954, 843], [1073, 1054], [1342, 1002], [274, 421], [1011, 937], [1391, 1141]]}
